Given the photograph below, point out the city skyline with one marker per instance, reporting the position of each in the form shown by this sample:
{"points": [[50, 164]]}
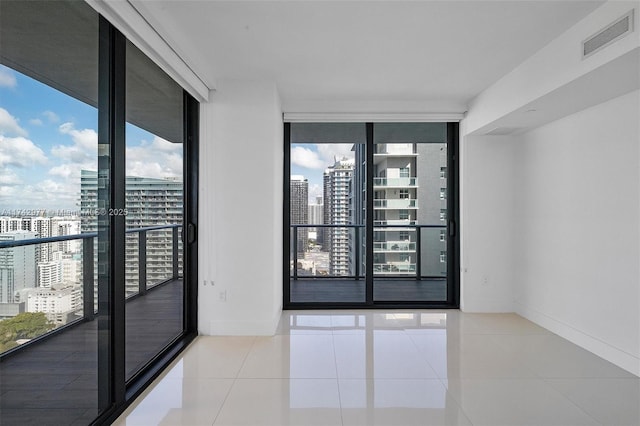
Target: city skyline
{"points": [[311, 160]]}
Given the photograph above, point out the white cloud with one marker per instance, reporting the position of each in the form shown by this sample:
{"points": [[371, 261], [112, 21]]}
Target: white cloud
{"points": [[9, 124], [7, 177], [35, 122], [20, 152], [51, 116], [164, 145], [7, 78], [158, 159], [330, 151], [44, 195], [304, 157], [85, 145]]}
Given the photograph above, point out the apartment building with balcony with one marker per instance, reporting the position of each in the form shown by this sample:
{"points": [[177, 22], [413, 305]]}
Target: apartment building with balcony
{"points": [[149, 202], [395, 202], [337, 183]]}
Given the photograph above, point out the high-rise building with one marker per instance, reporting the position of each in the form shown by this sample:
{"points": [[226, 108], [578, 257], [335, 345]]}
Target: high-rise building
{"points": [[316, 212], [410, 188], [49, 274], [336, 184], [395, 191], [65, 226], [316, 217], [299, 213], [432, 175], [10, 224], [149, 202], [42, 227], [17, 266]]}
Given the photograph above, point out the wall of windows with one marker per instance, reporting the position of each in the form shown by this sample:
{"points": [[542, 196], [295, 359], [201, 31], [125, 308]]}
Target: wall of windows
{"points": [[397, 202], [90, 131]]}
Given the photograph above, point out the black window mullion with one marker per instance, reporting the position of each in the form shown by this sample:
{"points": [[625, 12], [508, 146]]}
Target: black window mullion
{"points": [[111, 228], [190, 221], [369, 215], [453, 232], [286, 229]]}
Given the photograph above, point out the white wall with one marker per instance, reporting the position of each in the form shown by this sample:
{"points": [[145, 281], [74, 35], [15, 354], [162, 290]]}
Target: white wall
{"points": [[576, 268], [487, 220], [240, 251], [550, 215]]}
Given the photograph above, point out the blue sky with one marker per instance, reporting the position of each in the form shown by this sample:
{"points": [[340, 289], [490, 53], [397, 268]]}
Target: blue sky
{"points": [[47, 137], [310, 161]]}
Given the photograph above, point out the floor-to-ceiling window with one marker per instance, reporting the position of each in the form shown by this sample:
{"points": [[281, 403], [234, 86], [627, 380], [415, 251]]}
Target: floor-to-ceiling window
{"points": [[325, 262], [97, 277], [154, 203], [371, 214]]}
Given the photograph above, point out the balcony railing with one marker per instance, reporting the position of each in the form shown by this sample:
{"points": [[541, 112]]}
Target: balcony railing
{"points": [[394, 268], [399, 182], [145, 269], [396, 222], [342, 252], [399, 149], [394, 246], [396, 203]]}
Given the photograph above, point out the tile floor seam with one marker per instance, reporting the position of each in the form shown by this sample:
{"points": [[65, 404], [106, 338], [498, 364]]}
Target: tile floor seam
{"points": [[246, 356], [224, 401], [235, 379], [335, 362], [423, 356], [572, 402]]}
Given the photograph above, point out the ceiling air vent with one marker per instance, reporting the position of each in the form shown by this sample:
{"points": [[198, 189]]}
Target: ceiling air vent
{"points": [[612, 32]]}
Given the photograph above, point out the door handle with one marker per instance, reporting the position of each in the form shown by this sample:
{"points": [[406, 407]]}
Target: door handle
{"points": [[191, 233]]}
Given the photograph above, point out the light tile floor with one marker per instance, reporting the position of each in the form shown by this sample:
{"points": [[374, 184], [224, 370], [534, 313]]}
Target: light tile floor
{"points": [[390, 368]]}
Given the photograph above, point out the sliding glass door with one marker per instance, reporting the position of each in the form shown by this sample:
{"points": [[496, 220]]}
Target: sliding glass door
{"points": [[386, 235], [326, 237], [410, 212], [98, 178]]}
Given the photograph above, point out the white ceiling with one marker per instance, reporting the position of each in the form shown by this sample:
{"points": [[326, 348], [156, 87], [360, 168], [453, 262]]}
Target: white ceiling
{"points": [[429, 54]]}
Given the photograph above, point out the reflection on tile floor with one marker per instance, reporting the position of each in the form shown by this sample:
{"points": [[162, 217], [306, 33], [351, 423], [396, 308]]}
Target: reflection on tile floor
{"points": [[390, 368]]}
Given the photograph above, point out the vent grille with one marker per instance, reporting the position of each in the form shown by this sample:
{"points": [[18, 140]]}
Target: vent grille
{"points": [[613, 32]]}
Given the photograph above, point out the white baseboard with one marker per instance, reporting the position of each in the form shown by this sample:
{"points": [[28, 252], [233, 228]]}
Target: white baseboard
{"points": [[486, 306], [604, 350], [244, 328]]}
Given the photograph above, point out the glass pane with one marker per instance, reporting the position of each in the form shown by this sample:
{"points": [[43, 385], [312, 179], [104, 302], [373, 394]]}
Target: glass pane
{"points": [[154, 209], [326, 213], [48, 143], [410, 212]]}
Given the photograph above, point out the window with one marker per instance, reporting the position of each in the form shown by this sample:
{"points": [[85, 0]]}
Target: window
{"points": [[404, 257], [443, 257], [443, 193], [443, 214], [404, 172], [403, 214], [404, 193], [443, 235], [443, 172], [404, 236]]}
